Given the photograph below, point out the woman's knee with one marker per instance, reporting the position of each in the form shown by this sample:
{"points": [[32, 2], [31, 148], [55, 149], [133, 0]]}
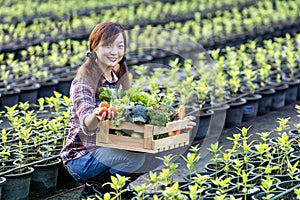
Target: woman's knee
{"points": [[139, 160]]}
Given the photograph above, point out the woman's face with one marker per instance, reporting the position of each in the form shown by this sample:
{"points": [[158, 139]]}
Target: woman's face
{"points": [[111, 54]]}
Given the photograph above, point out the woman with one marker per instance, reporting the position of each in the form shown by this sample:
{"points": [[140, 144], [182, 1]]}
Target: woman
{"points": [[104, 67]]}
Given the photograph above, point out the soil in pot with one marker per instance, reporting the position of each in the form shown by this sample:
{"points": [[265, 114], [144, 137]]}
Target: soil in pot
{"points": [[285, 185]]}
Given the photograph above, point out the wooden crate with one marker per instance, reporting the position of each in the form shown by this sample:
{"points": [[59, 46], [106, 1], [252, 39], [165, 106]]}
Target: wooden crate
{"points": [[146, 144]]}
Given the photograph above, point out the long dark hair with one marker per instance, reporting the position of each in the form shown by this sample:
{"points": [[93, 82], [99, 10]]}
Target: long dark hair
{"points": [[105, 32]]}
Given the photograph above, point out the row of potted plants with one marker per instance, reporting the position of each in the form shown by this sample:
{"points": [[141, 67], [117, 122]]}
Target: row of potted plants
{"points": [[248, 162], [15, 11], [32, 128], [233, 27], [264, 168], [46, 29], [40, 66], [24, 67], [184, 29], [31, 139]]}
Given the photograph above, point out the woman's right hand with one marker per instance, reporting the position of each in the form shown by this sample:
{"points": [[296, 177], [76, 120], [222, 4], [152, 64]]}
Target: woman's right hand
{"points": [[101, 116]]}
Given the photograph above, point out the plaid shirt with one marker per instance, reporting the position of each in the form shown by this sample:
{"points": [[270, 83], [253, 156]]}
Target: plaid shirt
{"points": [[83, 100]]}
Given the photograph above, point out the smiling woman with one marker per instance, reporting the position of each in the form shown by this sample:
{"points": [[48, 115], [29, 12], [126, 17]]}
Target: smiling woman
{"points": [[105, 67]]}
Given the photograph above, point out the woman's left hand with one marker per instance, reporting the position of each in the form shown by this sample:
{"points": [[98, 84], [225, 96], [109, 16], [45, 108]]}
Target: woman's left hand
{"points": [[190, 125]]}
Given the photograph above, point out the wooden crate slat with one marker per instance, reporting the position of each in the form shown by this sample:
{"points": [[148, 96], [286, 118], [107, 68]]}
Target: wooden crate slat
{"points": [[163, 143], [126, 141], [148, 137], [129, 126], [146, 144], [103, 134], [126, 147], [171, 126]]}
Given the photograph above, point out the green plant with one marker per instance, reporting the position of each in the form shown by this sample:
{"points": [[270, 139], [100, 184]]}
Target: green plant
{"points": [[140, 191], [196, 189], [118, 183], [218, 91], [152, 180], [216, 152], [244, 184], [165, 177], [267, 184], [262, 150], [291, 63], [192, 158], [173, 192], [297, 192], [221, 183]]}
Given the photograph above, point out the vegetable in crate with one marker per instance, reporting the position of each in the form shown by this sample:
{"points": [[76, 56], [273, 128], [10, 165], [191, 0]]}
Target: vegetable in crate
{"points": [[104, 107], [157, 117], [168, 110], [136, 114]]}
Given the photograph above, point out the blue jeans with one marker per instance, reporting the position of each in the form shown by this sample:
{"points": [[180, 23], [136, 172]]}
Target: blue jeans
{"points": [[100, 159]]}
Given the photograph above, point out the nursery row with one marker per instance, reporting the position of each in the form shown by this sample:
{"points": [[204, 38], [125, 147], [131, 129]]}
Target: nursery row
{"points": [[274, 61], [38, 67], [32, 137], [266, 168], [78, 22], [258, 19]]}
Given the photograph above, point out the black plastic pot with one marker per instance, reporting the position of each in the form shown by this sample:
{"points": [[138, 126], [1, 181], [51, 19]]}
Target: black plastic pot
{"points": [[44, 178], [234, 115], [203, 122], [2, 182], [278, 100], [287, 194], [251, 107], [292, 91], [17, 184], [265, 102], [65, 81], [285, 185], [262, 195], [29, 93], [47, 88], [9, 98]]}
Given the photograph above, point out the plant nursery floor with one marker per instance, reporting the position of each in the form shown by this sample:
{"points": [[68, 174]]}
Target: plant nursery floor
{"points": [[262, 123]]}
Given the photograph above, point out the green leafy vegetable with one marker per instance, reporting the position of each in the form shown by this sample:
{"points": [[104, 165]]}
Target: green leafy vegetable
{"points": [[136, 114], [157, 117]]}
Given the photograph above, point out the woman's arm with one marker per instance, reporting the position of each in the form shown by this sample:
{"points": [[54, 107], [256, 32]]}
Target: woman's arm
{"points": [[83, 104], [91, 121]]}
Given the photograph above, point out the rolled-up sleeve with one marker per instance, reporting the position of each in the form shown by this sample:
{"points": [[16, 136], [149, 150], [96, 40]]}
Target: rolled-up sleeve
{"points": [[83, 99]]}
